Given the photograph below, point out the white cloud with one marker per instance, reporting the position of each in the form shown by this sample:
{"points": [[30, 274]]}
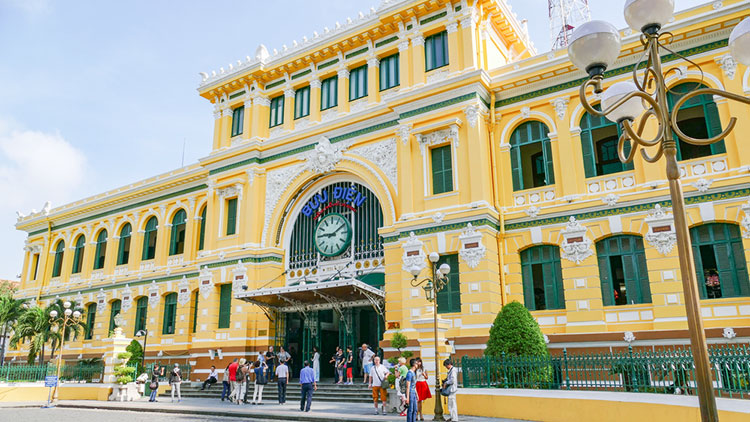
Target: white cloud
{"points": [[34, 167]]}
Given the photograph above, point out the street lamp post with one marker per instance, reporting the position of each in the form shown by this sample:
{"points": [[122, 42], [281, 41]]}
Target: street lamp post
{"points": [[70, 317], [143, 333], [595, 46], [431, 289]]}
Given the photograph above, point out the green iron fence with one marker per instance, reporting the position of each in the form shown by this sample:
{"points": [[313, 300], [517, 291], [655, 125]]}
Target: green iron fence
{"points": [[31, 373], [664, 371]]}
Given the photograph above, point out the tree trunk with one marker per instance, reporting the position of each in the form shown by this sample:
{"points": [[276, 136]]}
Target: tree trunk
{"points": [[2, 345]]}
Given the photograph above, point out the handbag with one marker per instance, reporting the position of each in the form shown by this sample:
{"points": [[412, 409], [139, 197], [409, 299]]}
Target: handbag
{"points": [[445, 390], [154, 385]]}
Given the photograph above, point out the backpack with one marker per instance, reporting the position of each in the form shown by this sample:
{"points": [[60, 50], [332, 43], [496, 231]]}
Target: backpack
{"points": [[402, 386]]}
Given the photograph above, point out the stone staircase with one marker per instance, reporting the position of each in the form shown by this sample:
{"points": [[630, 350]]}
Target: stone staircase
{"points": [[327, 392]]}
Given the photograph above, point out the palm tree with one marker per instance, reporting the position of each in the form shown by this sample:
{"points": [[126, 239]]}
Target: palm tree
{"points": [[33, 325], [10, 310]]}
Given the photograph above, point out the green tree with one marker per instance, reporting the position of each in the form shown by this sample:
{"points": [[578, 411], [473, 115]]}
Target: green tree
{"points": [[123, 372], [33, 326], [516, 333], [10, 310], [136, 351]]}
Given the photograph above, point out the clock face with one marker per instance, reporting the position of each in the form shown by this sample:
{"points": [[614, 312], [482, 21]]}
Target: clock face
{"points": [[332, 235]]}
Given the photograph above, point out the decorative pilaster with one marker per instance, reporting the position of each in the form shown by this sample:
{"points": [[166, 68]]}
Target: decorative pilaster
{"points": [[417, 61], [343, 87]]}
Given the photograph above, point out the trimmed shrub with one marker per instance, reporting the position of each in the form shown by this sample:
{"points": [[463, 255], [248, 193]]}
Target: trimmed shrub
{"points": [[516, 333]]}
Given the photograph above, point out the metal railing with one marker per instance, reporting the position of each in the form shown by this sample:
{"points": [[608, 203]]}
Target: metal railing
{"points": [[32, 373], [663, 371]]}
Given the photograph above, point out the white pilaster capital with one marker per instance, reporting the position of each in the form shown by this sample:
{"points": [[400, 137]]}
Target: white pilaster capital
{"points": [[226, 112], [343, 73], [315, 83], [289, 93], [373, 62], [403, 45], [451, 27], [417, 40], [260, 100]]}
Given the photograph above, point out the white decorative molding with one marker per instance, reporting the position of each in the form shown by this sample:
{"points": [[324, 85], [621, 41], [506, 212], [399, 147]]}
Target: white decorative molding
{"points": [[451, 27], [525, 112], [576, 245], [532, 211], [239, 277], [729, 333], [472, 250], [661, 233], [277, 181], [438, 217], [472, 114], [383, 155], [324, 157], [611, 199], [101, 301], [126, 298], [289, 93], [629, 337], [417, 41], [437, 76], [175, 260], [561, 107], [205, 282], [438, 137], [79, 300], [262, 101], [153, 295], [373, 62], [404, 131], [745, 222], [183, 291], [702, 185], [414, 256], [728, 65], [717, 5], [343, 73]]}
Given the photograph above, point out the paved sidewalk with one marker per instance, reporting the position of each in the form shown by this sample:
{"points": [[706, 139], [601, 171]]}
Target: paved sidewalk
{"points": [[339, 412]]}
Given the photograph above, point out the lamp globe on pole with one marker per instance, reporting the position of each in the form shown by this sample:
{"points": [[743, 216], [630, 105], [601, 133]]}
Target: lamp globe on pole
{"points": [[594, 46], [66, 304], [739, 42], [53, 313], [630, 109], [648, 16], [444, 269], [68, 312], [76, 314]]}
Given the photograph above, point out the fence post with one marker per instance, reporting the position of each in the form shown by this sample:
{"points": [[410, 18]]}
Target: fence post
{"points": [[505, 372], [567, 373], [633, 378]]}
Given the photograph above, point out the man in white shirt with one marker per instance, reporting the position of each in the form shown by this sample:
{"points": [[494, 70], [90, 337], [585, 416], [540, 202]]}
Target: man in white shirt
{"points": [[378, 374], [367, 355], [282, 376], [213, 378], [451, 381]]}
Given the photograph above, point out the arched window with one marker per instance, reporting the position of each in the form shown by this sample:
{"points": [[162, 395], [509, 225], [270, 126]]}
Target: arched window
{"points": [[531, 156], [141, 312], [542, 278], [90, 321], [113, 311], [622, 270], [123, 253], [149, 239], [78, 254], [719, 261], [202, 234], [177, 241], [170, 313], [59, 254], [101, 250], [697, 118], [599, 138]]}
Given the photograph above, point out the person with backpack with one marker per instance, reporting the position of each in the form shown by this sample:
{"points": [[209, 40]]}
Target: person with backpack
{"points": [[175, 379], [156, 372], [233, 379], [449, 389], [378, 374], [411, 392], [400, 387], [260, 382]]}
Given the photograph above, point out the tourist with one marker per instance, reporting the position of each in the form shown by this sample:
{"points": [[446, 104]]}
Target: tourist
{"points": [[244, 377], [282, 378], [349, 365], [367, 355], [340, 365], [156, 372], [225, 386], [270, 361], [283, 356], [213, 378], [402, 392], [451, 381], [378, 374], [316, 363], [259, 383], [423, 389], [307, 381], [234, 370], [402, 369], [411, 392], [333, 362], [175, 379]]}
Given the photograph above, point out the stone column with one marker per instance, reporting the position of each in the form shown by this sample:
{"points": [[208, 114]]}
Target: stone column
{"points": [[314, 100], [373, 80], [217, 127], [259, 125], [404, 63], [418, 63], [343, 90], [226, 127], [454, 50], [289, 109], [468, 37]]}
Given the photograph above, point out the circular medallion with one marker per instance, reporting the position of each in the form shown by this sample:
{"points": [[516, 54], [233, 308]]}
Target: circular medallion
{"points": [[333, 233]]}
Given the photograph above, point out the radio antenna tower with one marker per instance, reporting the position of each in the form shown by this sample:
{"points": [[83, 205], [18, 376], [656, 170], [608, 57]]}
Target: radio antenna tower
{"points": [[564, 16]]}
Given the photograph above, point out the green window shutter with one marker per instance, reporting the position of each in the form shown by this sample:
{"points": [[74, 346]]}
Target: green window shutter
{"points": [[589, 160], [442, 169], [699, 272], [516, 169], [389, 72], [113, 311], [231, 216], [123, 250], [329, 92], [90, 321], [548, 257], [59, 253], [141, 312], [78, 255], [605, 274], [527, 276], [101, 250], [449, 299], [195, 310], [642, 274], [238, 115], [225, 305], [358, 83], [713, 123], [170, 314], [436, 51], [177, 238], [549, 166], [559, 302], [202, 235], [628, 249], [302, 102], [276, 112]]}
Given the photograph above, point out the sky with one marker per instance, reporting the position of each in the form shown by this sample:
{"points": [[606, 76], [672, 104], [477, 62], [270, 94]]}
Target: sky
{"points": [[99, 94]]}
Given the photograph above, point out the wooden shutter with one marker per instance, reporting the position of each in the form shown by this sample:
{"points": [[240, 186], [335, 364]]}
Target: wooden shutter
{"points": [[527, 274], [589, 159], [225, 305], [202, 237], [700, 277], [713, 124], [559, 285], [449, 299], [516, 169], [549, 166], [442, 171], [605, 273], [195, 310], [231, 216], [642, 274], [114, 310]]}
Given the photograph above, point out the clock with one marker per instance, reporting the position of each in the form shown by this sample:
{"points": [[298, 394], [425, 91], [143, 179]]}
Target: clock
{"points": [[333, 233]]}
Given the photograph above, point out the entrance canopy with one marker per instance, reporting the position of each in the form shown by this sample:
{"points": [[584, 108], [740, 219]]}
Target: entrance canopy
{"points": [[337, 295]]}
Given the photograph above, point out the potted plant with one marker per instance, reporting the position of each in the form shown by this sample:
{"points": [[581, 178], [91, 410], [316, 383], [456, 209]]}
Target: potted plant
{"points": [[126, 389]]}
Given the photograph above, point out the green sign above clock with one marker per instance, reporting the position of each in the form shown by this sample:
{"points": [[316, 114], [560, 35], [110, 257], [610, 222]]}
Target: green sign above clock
{"points": [[333, 233]]}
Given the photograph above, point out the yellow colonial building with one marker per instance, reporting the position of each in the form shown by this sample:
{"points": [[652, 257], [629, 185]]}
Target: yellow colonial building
{"points": [[341, 162]]}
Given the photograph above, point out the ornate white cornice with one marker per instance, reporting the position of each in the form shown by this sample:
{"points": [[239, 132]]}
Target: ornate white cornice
{"points": [[576, 245], [661, 233]]}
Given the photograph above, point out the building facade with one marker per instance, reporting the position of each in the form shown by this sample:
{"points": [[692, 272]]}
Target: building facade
{"points": [[340, 163]]}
